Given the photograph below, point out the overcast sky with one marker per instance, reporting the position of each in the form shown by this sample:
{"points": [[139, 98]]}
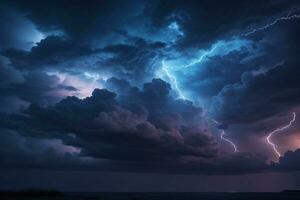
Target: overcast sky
{"points": [[162, 95]]}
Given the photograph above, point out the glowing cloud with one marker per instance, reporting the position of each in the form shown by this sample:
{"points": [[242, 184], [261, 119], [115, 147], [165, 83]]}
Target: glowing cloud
{"points": [[85, 85], [175, 27], [166, 73]]}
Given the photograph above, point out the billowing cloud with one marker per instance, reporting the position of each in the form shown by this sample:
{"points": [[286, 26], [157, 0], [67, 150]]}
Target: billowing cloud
{"points": [[140, 86]]}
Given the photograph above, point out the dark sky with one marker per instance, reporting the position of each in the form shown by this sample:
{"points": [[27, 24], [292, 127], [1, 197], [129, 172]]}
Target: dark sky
{"points": [[162, 95]]}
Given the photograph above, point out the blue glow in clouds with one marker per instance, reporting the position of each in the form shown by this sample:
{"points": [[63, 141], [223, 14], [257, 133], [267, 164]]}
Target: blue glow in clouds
{"points": [[220, 48], [203, 56], [170, 70], [175, 27]]}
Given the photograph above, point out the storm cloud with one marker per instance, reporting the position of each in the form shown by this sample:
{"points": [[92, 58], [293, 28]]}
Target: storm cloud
{"points": [[142, 86]]}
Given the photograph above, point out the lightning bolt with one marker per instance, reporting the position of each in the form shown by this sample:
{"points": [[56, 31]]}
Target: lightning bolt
{"points": [[207, 53], [174, 83], [222, 136], [203, 56], [278, 130], [284, 18], [172, 79]]}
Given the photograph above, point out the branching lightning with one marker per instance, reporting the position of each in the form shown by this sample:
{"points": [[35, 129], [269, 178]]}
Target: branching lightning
{"points": [[222, 136], [173, 80], [278, 130], [288, 17]]}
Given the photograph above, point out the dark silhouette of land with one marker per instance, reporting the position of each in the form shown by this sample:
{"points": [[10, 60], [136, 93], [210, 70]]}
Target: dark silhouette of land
{"points": [[55, 195]]}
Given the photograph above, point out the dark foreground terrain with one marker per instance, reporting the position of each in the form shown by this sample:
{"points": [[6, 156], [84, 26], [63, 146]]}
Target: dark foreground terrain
{"points": [[286, 195]]}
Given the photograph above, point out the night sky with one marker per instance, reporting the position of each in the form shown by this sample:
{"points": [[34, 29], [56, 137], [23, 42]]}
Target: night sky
{"points": [[161, 95]]}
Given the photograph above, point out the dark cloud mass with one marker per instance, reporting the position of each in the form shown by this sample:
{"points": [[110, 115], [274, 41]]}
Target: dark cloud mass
{"points": [[147, 130], [150, 86]]}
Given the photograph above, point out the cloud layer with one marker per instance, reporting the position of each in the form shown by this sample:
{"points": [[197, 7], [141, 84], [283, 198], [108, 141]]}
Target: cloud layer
{"points": [[96, 85]]}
